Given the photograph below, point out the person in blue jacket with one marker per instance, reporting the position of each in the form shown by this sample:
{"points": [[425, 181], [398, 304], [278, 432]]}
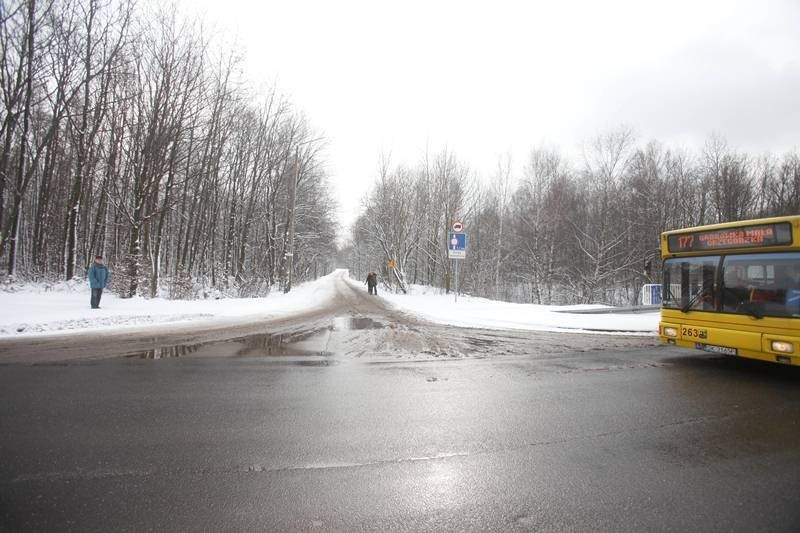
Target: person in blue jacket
{"points": [[98, 279]]}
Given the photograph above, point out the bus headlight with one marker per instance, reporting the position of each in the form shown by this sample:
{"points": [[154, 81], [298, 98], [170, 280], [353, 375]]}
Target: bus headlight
{"points": [[782, 346], [670, 331]]}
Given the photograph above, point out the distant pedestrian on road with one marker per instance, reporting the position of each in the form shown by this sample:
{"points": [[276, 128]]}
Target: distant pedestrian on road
{"points": [[372, 283], [98, 279]]}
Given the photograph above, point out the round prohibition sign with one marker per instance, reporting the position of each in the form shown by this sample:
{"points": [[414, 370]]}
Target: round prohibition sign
{"points": [[458, 226]]}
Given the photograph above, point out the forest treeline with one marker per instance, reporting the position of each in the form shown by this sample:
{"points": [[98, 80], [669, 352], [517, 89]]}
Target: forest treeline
{"points": [[130, 133], [565, 231]]}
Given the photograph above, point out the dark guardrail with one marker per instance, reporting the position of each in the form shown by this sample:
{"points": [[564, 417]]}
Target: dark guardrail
{"points": [[610, 310]]}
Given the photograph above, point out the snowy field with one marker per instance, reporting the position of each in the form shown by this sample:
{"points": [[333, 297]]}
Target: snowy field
{"points": [[471, 312], [37, 309]]}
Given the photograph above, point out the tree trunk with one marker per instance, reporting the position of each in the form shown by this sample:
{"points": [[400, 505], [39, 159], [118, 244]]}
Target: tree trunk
{"points": [[26, 115]]}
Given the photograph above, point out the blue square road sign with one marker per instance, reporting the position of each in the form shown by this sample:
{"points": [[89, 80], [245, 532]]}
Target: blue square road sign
{"points": [[457, 245]]}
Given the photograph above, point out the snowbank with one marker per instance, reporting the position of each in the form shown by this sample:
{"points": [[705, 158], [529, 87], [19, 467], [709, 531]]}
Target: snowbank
{"points": [[39, 309], [472, 312]]}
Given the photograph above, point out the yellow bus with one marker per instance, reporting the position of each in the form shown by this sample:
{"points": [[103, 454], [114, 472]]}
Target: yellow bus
{"points": [[734, 289]]}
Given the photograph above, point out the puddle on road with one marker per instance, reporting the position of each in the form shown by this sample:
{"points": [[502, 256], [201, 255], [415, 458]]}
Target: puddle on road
{"points": [[308, 346], [481, 342], [350, 323], [261, 345]]}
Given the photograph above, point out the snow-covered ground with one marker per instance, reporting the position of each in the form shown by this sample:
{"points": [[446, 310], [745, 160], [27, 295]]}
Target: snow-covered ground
{"points": [[38, 309], [473, 312]]}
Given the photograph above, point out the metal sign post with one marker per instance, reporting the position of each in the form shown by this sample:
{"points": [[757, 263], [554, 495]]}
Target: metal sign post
{"points": [[456, 262]]}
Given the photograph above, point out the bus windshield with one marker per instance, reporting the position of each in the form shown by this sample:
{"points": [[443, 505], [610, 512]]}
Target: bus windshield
{"points": [[754, 284]]}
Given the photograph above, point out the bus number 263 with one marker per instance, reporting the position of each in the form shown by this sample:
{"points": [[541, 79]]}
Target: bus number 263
{"points": [[694, 332]]}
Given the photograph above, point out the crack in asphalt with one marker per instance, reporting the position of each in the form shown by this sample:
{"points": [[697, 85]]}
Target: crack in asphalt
{"points": [[237, 469], [78, 475]]}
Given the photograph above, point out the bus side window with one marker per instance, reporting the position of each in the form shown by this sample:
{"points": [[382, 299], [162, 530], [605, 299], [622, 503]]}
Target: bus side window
{"points": [[788, 277], [793, 301]]}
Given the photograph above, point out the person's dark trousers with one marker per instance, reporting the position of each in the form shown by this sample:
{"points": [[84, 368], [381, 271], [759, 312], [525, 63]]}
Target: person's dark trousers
{"points": [[96, 294]]}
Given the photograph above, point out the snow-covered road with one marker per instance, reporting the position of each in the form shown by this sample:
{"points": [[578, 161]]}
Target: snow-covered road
{"points": [[34, 311], [334, 313]]}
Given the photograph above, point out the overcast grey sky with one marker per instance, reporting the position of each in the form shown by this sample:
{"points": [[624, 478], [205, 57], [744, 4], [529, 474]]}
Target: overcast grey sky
{"points": [[489, 78]]}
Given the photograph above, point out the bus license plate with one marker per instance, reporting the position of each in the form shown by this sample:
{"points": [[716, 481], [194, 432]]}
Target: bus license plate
{"points": [[724, 350]]}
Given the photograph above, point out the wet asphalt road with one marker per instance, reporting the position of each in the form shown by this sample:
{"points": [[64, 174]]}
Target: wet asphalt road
{"points": [[633, 439], [357, 417]]}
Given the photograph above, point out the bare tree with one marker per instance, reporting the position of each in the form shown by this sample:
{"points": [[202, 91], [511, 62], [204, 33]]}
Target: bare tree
{"points": [[565, 234]]}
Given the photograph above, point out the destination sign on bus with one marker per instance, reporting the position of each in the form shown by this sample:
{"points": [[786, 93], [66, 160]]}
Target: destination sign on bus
{"points": [[757, 236]]}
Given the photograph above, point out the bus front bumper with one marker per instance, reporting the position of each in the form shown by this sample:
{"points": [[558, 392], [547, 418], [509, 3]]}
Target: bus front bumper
{"points": [[769, 347]]}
